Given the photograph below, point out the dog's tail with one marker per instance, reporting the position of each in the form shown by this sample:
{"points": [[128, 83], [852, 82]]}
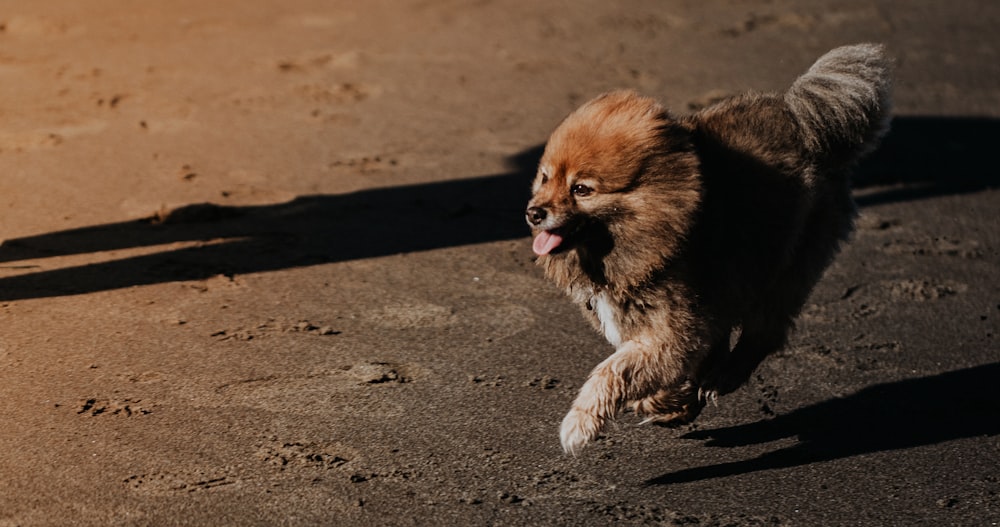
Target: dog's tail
{"points": [[842, 103]]}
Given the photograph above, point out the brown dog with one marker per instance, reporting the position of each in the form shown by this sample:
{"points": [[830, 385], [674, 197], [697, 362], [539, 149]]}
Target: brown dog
{"points": [[674, 234]]}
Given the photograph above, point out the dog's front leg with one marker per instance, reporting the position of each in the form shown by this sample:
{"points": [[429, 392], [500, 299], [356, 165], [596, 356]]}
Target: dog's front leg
{"points": [[637, 369]]}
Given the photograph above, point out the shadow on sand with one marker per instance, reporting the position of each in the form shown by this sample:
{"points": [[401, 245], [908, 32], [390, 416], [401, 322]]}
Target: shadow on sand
{"points": [[893, 416], [921, 157], [924, 157], [308, 230]]}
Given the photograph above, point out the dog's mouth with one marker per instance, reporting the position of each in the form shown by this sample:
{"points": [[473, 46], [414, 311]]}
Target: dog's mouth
{"points": [[547, 242], [562, 236], [577, 234]]}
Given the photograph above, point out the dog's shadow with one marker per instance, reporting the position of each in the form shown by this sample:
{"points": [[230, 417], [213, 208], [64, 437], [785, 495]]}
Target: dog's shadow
{"points": [[203, 240], [924, 157], [892, 416]]}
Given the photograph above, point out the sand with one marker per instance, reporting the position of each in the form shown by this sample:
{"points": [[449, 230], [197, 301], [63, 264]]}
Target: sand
{"points": [[264, 263]]}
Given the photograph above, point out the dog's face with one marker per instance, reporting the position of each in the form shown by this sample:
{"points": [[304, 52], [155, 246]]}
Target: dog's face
{"points": [[593, 163]]}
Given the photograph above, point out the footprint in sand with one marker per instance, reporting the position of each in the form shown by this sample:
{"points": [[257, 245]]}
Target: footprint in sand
{"points": [[364, 164], [870, 299], [272, 327], [338, 93], [934, 246], [923, 290], [328, 391], [168, 483], [305, 454], [95, 407]]}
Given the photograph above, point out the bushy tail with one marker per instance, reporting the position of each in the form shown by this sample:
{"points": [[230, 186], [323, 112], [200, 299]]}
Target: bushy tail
{"points": [[842, 103]]}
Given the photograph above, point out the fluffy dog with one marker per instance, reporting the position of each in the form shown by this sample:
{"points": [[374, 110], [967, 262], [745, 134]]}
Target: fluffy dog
{"points": [[678, 236]]}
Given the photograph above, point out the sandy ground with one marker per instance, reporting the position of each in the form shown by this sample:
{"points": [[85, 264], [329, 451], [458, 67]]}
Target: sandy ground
{"points": [[264, 263]]}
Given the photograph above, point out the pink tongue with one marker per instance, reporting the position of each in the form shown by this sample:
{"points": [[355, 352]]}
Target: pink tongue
{"points": [[545, 242]]}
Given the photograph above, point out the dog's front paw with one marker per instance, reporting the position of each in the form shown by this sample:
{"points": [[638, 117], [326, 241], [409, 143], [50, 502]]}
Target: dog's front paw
{"points": [[578, 429]]}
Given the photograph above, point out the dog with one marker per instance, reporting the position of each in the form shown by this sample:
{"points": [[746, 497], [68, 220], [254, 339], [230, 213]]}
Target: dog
{"points": [[678, 236]]}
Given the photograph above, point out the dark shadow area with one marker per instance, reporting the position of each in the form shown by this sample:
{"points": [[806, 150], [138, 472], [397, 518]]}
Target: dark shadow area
{"points": [[306, 231], [923, 157], [892, 416]]}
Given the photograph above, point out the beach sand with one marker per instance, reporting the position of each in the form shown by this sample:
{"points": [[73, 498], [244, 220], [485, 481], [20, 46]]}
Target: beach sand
{"points": [[265, 263]]}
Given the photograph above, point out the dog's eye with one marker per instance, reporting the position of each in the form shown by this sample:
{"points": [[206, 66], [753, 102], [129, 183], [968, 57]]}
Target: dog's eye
{"points": [[581, 191]]}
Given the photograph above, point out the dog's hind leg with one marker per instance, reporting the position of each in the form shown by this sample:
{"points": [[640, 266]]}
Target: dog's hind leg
{"points": [[757, 340], [765, 326], [635, 371]]}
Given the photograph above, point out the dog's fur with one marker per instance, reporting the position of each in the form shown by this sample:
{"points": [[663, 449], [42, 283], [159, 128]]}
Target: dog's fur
{"points": [[675, 234]]}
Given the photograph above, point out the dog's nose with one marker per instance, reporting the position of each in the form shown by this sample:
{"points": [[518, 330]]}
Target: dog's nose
{"points": [[535, 215]]}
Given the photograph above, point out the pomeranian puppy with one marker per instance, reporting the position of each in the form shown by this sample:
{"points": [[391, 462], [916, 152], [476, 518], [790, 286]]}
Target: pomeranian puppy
{"points": [[679, 235]]}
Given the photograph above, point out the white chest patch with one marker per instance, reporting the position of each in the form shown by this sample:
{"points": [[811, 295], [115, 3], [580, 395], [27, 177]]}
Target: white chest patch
{"points": [[606, 314]]}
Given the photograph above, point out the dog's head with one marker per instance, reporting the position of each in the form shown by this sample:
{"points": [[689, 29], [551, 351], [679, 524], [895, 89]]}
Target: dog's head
{"points": [[615, 167]]}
